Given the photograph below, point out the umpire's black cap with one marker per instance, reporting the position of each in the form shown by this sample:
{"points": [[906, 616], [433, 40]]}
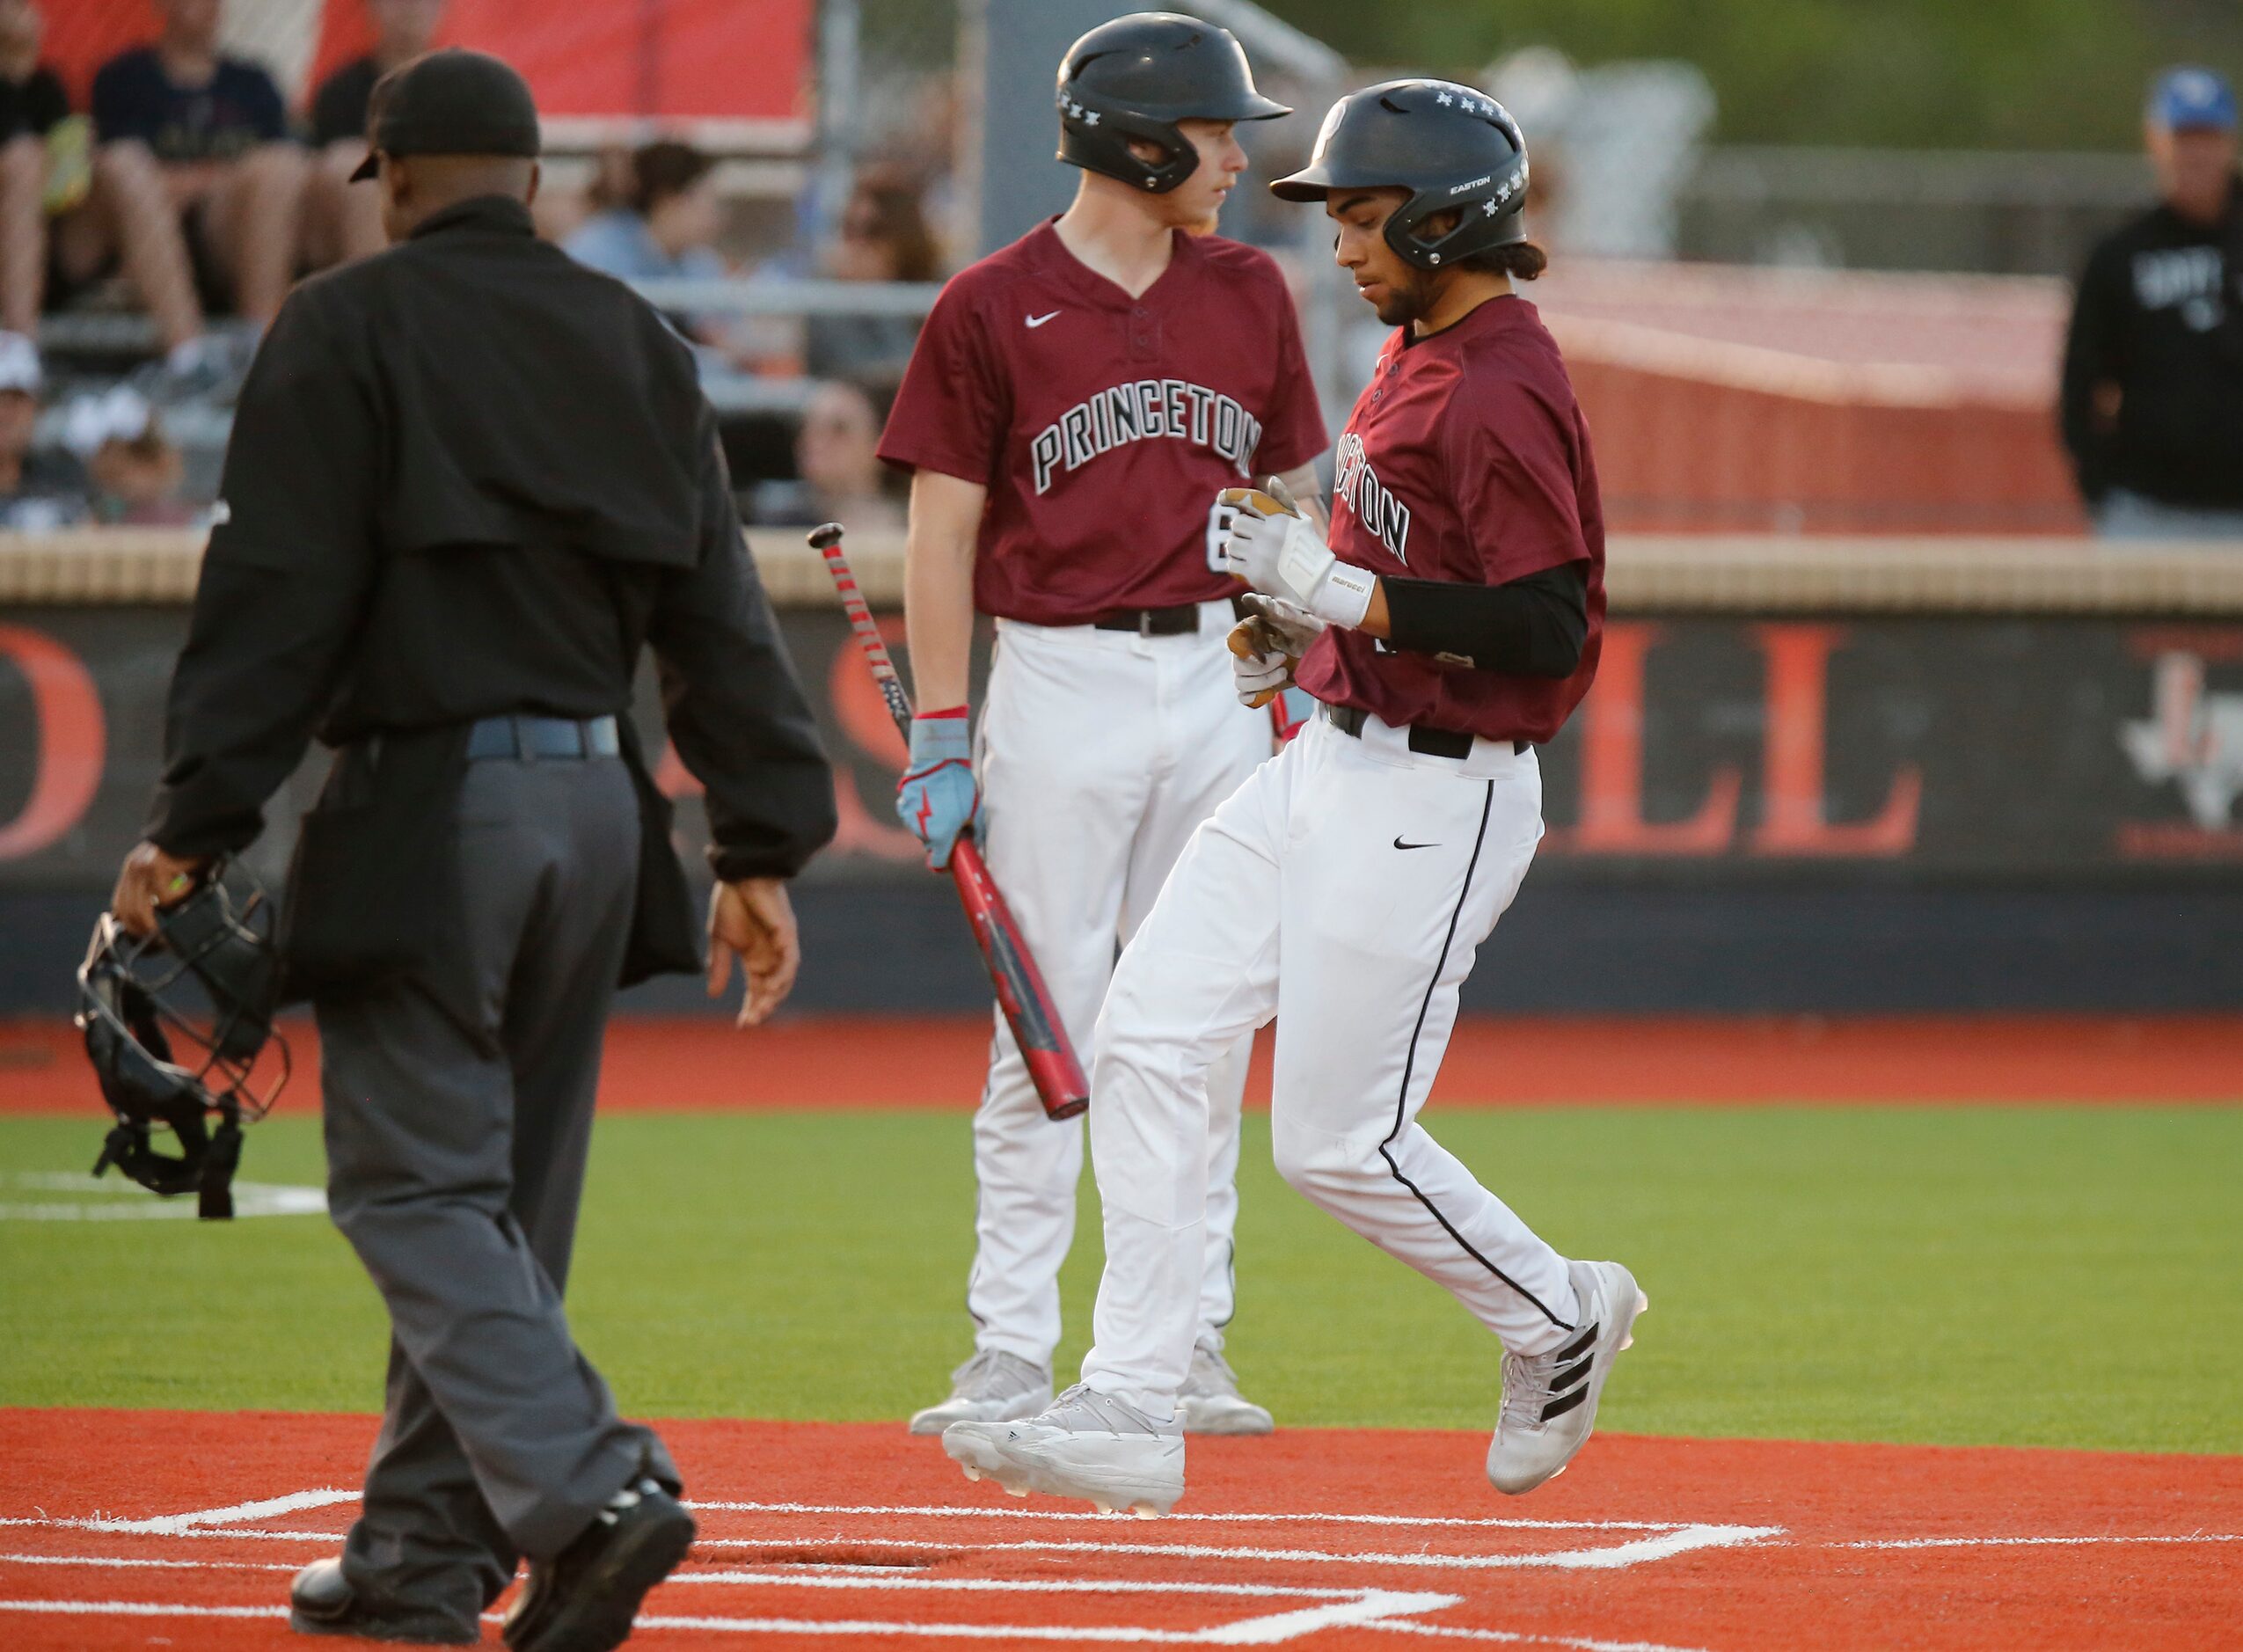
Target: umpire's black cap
{"points": [[452, 102]]}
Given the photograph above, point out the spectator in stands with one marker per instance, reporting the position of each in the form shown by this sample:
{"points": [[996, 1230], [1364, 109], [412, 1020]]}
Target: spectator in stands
{"points": [[195, 167], [341, 222], [840, 476], [884, 238], [666, 228], [666, 225], [40, 488], [2152, 406], [33, 105], [136, 478]]}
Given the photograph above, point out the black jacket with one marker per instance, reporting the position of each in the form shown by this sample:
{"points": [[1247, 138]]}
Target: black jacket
{"points": [[2159, 315], [470, 476]]}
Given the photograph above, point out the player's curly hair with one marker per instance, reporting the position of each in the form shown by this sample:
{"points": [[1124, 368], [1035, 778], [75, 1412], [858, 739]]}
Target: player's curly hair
{"points": [[1522, 260]]}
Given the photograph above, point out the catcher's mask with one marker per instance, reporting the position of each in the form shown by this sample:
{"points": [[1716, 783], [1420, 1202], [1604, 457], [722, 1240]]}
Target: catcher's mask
{"points": [[175, 1024]]}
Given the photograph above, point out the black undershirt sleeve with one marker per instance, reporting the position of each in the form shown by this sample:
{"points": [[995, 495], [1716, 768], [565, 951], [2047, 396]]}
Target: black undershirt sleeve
{"points": [[1530, 627]]}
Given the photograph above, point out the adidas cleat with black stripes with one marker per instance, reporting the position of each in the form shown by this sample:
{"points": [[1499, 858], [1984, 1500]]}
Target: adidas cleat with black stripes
{"points": [[1550, 1399]]}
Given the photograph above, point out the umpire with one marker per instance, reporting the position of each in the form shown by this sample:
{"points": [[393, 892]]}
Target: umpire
{"points": [[468, 480]]}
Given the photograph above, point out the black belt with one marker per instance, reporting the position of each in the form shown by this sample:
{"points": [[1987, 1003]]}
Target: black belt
{"points": [[536, 738], [1431, 743], [1180, 621]]}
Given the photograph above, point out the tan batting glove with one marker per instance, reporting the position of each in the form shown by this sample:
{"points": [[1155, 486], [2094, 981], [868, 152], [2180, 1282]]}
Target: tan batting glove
{"points": [[1266, 647], [1260, 667]]}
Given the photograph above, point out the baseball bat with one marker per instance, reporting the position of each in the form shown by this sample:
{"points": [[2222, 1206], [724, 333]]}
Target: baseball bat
{"points": [[1020, 992]]}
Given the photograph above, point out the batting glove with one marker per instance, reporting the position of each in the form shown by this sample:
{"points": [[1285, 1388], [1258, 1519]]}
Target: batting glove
{"points": [[1282, 556], [1289, 622], [937, 798], [1260, 677]]}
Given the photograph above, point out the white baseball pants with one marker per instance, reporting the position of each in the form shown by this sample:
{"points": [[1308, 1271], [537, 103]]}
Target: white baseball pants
{"points": [[1101, 751], [1343, 888]]}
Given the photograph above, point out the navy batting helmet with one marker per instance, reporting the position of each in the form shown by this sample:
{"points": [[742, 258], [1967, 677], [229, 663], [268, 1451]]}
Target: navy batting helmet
{"points": [[1137, 78], [1450, 146]]}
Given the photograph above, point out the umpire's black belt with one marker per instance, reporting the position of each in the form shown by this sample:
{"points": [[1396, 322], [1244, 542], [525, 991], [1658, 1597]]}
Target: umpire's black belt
{"points": [[1427, 742], [538, 738]]}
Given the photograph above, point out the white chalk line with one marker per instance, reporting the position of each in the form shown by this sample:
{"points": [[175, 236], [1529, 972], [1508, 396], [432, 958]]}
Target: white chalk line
{"points": [[190, 1524], [894, 1580], [1509, 1637], [2002, 1543], [870, 1577], [138, 1608], [1367, 1607], [1665, 1541], [1619, 1555], [1766, 1537], [121, 1561], [1371, 1607], [953, 1511], [121, 1200]]}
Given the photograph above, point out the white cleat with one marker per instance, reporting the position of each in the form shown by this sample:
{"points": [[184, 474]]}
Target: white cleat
{"points": [[993, 1386], [1550, 1399], [1211, 1402], [1098, 1447]]}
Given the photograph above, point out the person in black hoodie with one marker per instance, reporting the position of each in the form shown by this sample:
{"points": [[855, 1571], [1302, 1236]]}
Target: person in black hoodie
{"points": [[2152, 400]]}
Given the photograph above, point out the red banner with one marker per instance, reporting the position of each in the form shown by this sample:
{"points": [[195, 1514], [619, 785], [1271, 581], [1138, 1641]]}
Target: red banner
{"points": [[657, 60]]}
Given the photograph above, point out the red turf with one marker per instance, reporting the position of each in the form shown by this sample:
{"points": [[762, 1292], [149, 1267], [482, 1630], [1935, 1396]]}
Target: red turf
{"points": [[2161, 1565], [686, 1062]]}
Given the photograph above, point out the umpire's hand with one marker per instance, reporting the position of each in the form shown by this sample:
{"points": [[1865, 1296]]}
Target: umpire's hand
{"points": [[150, 881], [754, 920]]}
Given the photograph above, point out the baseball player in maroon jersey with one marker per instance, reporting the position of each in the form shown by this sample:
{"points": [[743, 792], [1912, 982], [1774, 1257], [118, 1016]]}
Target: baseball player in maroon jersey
{"points": [[1448, 626], [1074, 404]]}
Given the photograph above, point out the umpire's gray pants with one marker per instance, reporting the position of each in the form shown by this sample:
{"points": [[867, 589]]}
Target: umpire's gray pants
{"points": [[456, 1150]]}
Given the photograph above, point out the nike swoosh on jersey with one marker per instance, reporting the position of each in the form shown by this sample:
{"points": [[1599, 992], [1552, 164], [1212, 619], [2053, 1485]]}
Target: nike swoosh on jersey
{"points": [[1037, 321], [1398, 843]]}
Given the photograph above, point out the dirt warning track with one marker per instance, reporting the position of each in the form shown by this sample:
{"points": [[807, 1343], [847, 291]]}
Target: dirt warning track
{"points": [[136, 1529]]}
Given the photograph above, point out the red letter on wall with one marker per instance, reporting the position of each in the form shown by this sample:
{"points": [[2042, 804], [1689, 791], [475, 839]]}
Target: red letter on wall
{"points": [[1791, 821], [1612, 766], [72, 740]]}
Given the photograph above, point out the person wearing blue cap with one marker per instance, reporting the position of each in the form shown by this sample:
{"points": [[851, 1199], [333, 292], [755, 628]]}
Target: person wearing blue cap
{"points": [[2152, 399]]}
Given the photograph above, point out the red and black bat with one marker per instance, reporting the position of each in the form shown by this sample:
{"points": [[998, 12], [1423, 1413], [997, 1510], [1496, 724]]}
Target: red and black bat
{"points": [[1020, 992]]}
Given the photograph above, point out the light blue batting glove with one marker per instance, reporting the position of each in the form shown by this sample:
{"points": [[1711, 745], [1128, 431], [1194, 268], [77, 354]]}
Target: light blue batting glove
{"points": [[937, 798]]}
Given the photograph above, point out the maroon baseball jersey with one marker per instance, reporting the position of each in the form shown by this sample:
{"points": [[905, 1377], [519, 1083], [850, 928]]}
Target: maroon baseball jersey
{"points": [[1103, 426], [1465, 460]]}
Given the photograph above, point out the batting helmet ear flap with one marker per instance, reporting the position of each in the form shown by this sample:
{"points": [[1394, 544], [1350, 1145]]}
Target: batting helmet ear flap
{"points": [[1095, 134]]}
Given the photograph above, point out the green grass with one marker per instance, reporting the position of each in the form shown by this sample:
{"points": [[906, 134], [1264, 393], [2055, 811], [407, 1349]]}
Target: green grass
{"points": [[2044, 1277]]}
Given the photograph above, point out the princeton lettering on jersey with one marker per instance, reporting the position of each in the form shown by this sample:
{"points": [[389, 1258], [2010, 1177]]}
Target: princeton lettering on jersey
{"points": [[1140, 411], [1357, 486]]}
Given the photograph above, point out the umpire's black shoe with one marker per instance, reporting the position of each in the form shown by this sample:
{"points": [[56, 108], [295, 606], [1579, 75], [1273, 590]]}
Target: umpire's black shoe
{"points": [[321, 1601], [584, 1598]]}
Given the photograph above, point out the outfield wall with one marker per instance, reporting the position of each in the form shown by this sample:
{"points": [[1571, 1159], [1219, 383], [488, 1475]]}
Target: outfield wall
{"points": [[1813, 776]]}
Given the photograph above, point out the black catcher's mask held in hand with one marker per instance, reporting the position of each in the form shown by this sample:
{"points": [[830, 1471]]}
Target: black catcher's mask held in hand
{"points": [[175, 1025]]}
